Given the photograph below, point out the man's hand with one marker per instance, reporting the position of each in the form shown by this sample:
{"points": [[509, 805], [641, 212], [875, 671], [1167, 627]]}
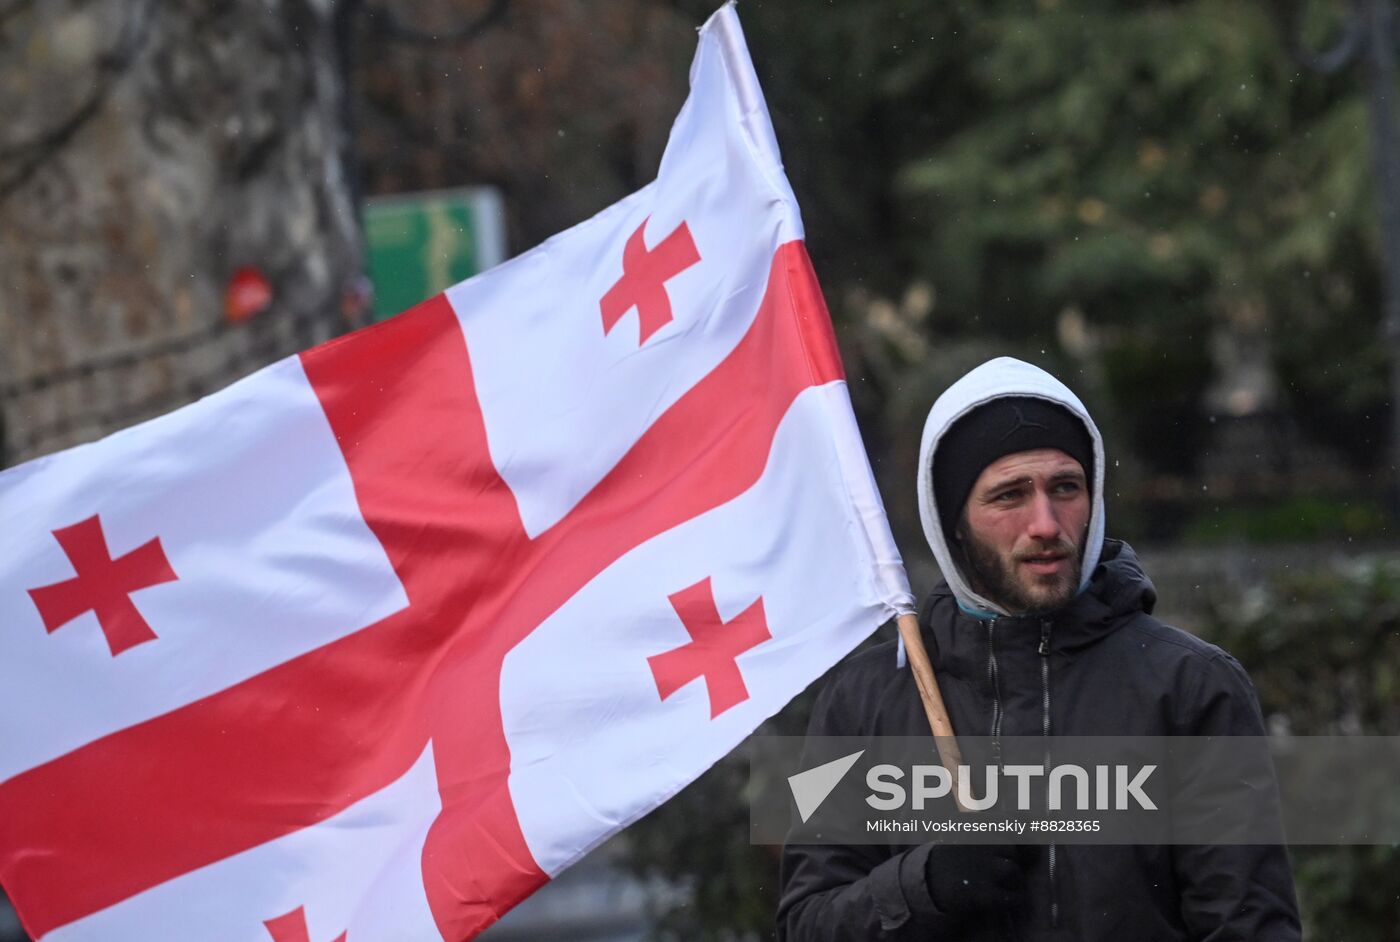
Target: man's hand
{"points": [[964, 879]]}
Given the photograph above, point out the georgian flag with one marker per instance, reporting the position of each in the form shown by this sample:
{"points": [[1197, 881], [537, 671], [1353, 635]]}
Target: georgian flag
{"points": [[376, 641]]}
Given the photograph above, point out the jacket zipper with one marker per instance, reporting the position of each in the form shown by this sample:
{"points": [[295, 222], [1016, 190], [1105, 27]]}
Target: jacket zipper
{"points": [[996, 690], [1045, 731]]}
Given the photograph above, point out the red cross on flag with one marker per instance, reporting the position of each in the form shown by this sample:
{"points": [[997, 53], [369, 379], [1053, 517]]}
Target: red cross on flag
{"points": [[373, 643]]}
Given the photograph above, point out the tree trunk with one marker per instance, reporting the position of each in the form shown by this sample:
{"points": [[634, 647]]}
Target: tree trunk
{"points": [[149, 151]]}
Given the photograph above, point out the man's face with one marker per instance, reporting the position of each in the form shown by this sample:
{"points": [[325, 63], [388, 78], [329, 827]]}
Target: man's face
{"points": [[1023, 530]]}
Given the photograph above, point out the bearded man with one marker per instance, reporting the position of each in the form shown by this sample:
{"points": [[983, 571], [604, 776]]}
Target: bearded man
{"points": [[1041, 628]]}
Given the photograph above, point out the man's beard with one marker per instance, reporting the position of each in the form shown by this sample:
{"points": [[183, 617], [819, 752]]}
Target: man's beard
{"points": [[995, 578]]}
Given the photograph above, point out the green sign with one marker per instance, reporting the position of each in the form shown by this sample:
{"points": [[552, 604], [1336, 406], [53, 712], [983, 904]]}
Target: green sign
{"points": [[423, 243]]}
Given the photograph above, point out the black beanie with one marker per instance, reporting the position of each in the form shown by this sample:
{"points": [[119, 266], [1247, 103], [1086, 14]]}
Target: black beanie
{"points": [[1001, 427]]}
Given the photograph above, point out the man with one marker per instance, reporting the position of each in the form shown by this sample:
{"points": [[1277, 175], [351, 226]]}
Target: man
{"points": [[1042, 628]]}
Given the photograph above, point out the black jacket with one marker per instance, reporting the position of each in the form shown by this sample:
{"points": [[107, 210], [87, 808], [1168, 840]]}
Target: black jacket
{"points": [[1113, 670]]}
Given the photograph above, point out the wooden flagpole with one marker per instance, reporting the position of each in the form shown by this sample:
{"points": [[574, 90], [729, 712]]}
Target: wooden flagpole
{"points": [[943, 736]]}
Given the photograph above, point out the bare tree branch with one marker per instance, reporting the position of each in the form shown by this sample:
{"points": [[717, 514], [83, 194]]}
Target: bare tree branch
{"points": [[19, 162]]}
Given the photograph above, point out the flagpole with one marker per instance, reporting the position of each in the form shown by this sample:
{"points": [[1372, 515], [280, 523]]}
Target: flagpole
{"points": [[943, 736]]}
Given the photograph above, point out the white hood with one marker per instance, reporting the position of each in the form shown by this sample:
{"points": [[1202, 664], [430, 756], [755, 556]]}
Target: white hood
{"points": [[1003, 376]]}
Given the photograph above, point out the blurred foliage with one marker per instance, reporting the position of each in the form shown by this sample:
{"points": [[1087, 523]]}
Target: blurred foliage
{"points": [[1349, 893], [699, 841], [1323, 649], [1322, 644], [1292, 520], [1168, 171], [1125, 194]]}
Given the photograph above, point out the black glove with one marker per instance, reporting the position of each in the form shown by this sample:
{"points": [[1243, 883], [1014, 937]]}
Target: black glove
{"points": [[969, 878]]}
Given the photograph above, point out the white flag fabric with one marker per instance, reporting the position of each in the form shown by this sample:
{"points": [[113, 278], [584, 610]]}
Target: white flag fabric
{"points": [[375, 642]]}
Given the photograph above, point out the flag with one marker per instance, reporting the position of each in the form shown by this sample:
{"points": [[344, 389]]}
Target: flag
{"points": [[376, 641]]}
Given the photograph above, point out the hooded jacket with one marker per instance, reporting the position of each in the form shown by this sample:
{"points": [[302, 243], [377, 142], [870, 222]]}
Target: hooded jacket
{"points": [[1101, 666]]}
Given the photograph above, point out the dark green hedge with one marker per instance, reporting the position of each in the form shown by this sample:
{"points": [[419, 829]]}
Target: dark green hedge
{"points": [[1323, 648]]}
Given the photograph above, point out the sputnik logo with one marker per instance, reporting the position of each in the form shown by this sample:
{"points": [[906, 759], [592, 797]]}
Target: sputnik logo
{"points": [[811, 788]]}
